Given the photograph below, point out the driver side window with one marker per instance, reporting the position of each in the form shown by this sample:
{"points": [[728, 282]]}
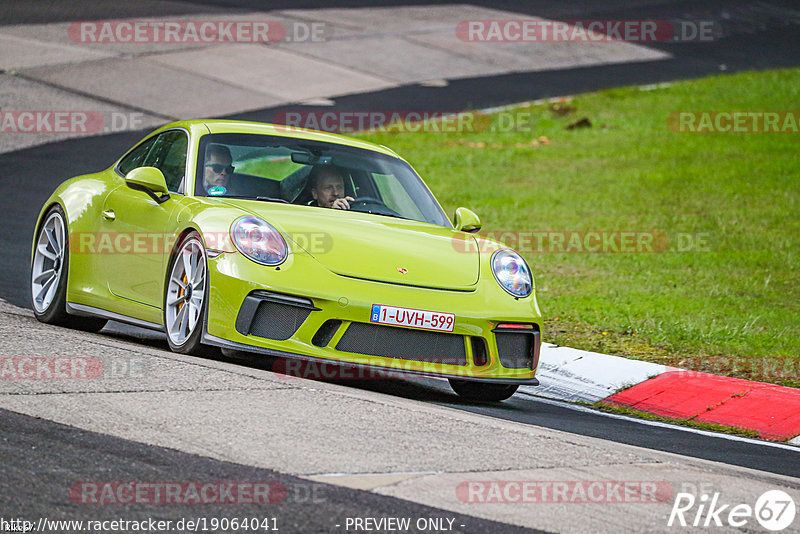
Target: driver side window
{"points": [[169, 156], [166, 152], [135, 158]]}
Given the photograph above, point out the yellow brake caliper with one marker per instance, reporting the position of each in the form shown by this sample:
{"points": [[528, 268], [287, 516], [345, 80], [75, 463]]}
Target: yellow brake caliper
{"points": [[181, 291]]}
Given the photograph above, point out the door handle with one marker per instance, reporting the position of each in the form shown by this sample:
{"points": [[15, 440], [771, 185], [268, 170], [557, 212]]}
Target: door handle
{"points": [[109, 215]]}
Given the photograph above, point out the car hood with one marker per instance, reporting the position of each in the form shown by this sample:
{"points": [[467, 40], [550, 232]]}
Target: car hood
{"points": [[374, 247]]}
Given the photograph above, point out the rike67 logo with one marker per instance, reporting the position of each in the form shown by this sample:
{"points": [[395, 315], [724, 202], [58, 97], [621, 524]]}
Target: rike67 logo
{"points": [[774, 510]]}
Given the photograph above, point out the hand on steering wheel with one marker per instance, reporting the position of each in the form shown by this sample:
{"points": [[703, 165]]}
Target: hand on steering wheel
{"points": [[342, 203]]}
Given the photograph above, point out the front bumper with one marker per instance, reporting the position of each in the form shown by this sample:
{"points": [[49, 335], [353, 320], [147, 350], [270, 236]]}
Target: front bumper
{"points": [[311, 310]]}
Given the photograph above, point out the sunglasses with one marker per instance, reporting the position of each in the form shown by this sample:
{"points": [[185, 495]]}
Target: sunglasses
{"points": [[219, 167]]}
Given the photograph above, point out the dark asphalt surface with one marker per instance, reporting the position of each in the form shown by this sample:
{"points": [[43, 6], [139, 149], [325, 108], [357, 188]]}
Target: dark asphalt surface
{"points": [[42, 459], [753, 36], [522, 408]]}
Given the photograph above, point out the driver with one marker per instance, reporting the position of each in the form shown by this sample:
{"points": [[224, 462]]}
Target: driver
{"points": [[218, 169], [327, 188]]}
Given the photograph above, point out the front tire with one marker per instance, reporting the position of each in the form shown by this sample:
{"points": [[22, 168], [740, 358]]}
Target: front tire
{"points": [[186, 297], [482, 391], [49, 275]]}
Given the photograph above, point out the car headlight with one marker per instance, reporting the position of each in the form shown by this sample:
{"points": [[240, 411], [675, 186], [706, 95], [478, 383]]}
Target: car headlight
{"points": [[512, 273], [259, 241]]}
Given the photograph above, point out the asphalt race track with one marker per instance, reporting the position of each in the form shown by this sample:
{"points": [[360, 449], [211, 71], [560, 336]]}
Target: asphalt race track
{"points": [[63, 454], [68, 454], [527, 409]]}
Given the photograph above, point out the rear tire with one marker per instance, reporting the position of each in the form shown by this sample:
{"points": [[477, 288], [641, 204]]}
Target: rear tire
{"points": [[482, 391], [50, 273]]}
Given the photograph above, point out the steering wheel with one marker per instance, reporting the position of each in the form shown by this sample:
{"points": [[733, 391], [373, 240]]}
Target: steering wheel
{"points": [[366, 202]]}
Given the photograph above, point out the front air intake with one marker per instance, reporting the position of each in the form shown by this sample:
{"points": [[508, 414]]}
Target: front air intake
{"points": [[272, 315], [518, 345], [403, 344]]}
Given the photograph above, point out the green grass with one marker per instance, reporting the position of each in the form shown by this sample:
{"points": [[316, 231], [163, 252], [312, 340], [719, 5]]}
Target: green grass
{"points": [[731, 307]]}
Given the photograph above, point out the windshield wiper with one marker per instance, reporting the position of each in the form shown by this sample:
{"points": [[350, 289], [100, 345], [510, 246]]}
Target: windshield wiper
{"points": [[272, 199]]}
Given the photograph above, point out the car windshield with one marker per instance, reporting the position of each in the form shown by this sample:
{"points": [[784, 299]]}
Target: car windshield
{"points": [[312, 173]]}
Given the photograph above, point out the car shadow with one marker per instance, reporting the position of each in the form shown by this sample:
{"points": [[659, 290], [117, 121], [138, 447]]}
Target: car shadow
{"points": [[425, 389]]}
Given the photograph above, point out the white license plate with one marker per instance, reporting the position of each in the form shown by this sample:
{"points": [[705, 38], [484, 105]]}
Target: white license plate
{"points": [[427, 320]]}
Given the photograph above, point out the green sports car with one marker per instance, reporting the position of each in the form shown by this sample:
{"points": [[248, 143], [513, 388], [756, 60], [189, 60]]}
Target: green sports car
{"points": [[289, 243]]}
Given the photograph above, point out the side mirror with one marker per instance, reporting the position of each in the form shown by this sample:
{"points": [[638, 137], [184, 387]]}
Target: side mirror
{"points": [[149, 180], [466, 220]]}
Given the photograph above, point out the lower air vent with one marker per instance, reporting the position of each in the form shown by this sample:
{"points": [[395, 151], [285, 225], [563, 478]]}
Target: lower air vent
{"points": [[326, 332], [403, 344]]}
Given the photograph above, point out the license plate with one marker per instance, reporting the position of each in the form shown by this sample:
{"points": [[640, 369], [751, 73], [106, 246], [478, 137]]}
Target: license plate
{"points": [[427, 320]]}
